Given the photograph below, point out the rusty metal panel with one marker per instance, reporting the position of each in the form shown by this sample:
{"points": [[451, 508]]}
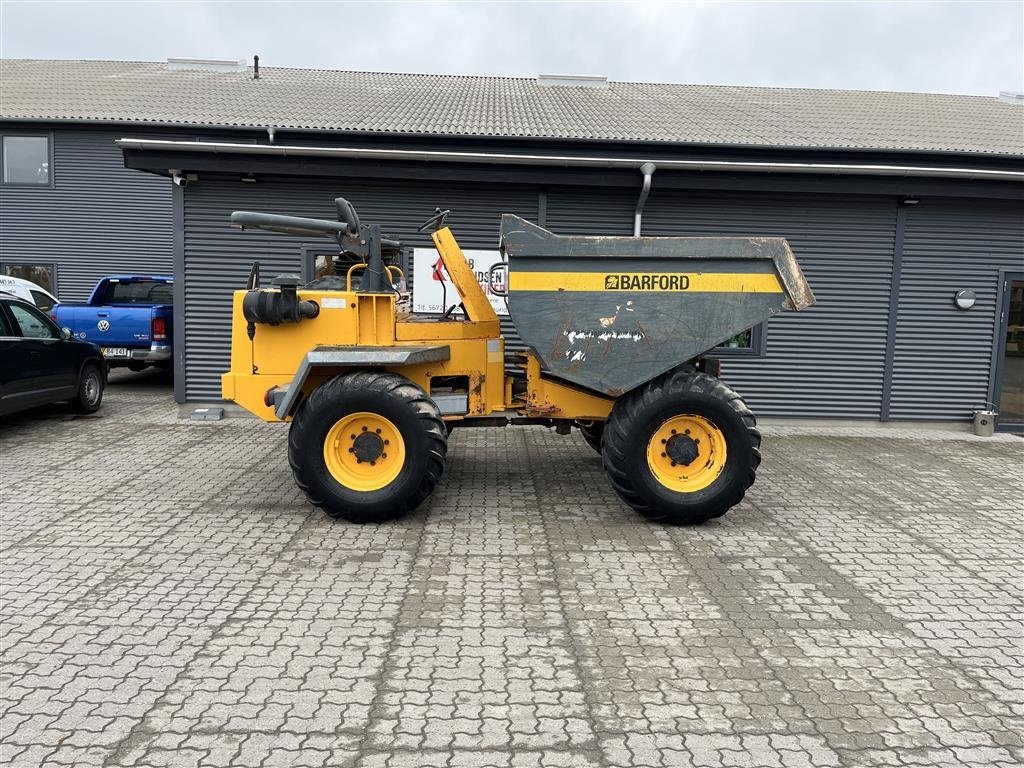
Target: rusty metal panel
{"points": [[609, 313]]}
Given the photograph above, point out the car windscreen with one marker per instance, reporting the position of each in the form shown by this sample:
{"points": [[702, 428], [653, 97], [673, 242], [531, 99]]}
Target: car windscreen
{"points": [[138, 292]]}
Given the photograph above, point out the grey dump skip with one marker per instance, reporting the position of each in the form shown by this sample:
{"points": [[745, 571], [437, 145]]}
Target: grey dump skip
{"points": [[609, 313], [360, 357]]}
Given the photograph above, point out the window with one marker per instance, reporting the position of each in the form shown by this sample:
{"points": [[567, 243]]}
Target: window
{"points": [[323, 265], [327, 271], [33, 324], [26, 160], [41, 300], [162, 293], [5, 328], [43, 275], [139, 292], [748, 343]]}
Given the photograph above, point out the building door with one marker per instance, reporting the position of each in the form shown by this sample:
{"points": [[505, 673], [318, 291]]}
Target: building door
{"points": [[1009, 373]]}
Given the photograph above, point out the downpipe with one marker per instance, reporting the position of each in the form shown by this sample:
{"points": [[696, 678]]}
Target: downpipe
{"points": [[647, 169]]}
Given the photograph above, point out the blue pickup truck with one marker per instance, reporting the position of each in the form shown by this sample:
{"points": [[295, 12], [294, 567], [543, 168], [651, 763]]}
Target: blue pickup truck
{"points": [[128, 317]]}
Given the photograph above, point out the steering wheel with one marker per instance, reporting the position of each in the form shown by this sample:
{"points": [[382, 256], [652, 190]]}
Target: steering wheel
{"points": [[435, 222]]}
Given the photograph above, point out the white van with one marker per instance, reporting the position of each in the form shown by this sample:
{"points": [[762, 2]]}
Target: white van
{"points": [[29, 291]]}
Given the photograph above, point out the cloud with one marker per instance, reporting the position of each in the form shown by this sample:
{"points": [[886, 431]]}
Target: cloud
{"points": [[947, 47]]}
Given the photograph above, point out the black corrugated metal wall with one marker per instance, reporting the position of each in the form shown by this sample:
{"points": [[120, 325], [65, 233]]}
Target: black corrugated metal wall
{"points": [[832, 354], [828, 361], [944, 355], [98, 218]]}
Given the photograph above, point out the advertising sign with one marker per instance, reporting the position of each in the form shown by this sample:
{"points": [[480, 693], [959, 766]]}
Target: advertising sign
{"points": [[432, 289]]}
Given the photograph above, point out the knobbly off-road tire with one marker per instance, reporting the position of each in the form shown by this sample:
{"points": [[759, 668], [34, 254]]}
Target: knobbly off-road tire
{"points": [[345, 411], [592, 434], [633, 438]]}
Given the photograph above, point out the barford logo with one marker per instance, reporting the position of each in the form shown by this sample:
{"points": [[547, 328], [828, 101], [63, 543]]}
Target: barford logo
{"points": [[646, 282], [103, 325]]}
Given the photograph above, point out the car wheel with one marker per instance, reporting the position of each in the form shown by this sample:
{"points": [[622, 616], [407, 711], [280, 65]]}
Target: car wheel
{"points": [[90, 389]]}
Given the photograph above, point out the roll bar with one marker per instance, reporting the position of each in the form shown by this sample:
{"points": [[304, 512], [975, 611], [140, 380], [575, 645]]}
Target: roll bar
{"points": [[364, 242], [288, 225]]}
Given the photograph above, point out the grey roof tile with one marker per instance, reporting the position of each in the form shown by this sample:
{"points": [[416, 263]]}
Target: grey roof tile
{"points": [[117, 91]]}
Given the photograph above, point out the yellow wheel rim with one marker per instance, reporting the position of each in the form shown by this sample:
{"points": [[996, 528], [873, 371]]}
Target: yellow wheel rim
{"points": [[364, 451], [686, 453]]}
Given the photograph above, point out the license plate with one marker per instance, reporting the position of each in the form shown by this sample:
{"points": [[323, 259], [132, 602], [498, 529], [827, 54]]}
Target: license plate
{"points": [[114, 351]]}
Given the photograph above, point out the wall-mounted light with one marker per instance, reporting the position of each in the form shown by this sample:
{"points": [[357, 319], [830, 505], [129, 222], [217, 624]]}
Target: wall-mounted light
{"points": [[909, 201], [249, 178], [964, 299], [183, 179]]}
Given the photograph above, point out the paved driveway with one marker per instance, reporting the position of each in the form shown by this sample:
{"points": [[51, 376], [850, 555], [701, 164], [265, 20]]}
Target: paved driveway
{"points": [[168, 599]]}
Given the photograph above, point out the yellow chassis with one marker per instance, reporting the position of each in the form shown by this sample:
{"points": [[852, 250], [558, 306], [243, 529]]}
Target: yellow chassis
{"points": [[351, 319]]}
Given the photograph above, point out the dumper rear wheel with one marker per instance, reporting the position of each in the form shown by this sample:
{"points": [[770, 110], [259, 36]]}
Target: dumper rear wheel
{"points": [[681, 449], [367, 447]]}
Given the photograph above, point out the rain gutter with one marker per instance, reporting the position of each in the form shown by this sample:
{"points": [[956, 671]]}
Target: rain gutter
{"points": [[565, 161]]}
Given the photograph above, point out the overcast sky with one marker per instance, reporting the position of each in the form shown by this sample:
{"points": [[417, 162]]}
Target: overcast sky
{"points": [[947, 47]]}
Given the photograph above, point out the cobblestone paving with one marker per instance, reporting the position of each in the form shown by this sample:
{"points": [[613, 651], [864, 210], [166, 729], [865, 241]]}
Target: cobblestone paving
{"points": [[169, 600]]}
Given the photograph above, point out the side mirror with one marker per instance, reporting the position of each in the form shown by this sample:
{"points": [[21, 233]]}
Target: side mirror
{"points": [[65, 333]]}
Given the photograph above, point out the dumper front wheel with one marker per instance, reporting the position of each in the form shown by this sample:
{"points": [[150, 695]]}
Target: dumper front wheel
{"points": [[592, 434], [367, 447], [681, 449]]}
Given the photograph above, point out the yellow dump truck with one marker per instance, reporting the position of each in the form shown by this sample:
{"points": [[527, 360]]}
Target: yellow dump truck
{"points": [[615, 328]]}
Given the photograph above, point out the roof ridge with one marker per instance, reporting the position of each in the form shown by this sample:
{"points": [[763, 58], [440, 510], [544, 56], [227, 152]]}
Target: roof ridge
{"points": [[811, 89], [77, 61]]}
